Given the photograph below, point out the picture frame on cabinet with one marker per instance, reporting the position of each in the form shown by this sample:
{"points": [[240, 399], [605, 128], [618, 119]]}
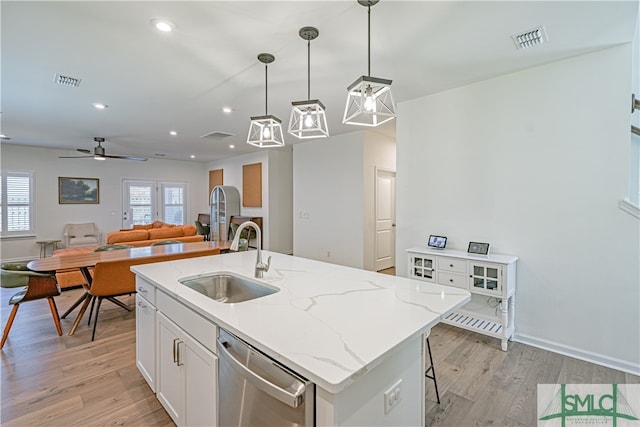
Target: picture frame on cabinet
{"points": [[478, 248], [438, 242]]}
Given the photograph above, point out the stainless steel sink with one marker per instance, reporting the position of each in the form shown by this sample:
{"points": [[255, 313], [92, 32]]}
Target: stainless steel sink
{"points": [[228, 287]]}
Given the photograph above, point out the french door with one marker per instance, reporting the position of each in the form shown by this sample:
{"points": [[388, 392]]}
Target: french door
{"points": [[146, 201]]}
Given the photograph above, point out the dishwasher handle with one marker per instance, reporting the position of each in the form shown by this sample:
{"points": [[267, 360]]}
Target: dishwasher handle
{"points": [[291, 399]]}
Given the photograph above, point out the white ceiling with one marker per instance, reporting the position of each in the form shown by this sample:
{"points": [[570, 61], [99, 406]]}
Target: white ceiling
{"points": [[155, 82]]}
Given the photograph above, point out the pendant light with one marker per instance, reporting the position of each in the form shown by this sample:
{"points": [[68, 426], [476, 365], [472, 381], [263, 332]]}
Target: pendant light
{"points": [[369, 100], [265, 131], [308, 119]]}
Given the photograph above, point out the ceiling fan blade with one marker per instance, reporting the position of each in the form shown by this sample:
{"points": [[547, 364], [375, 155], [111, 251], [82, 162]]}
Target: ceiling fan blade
{"points": [[115, 156], [82, 150]]}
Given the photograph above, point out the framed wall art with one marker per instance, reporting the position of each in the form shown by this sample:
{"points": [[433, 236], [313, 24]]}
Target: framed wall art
{"points": [[78, 190], [478, 248]]}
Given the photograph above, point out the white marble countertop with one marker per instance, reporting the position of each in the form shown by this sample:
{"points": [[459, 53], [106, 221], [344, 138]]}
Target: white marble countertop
{"points": [[329, 323]]}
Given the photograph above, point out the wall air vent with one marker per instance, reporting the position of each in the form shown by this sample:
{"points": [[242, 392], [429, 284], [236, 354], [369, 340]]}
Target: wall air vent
{"points": [[530, 38], [217, 135], [66, 80]]}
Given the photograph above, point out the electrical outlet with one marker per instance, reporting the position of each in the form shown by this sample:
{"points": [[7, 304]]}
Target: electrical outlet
{"points": [[392, 396]]}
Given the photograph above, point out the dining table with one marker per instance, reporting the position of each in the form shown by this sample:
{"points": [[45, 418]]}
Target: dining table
{"points": [[85, 261]]}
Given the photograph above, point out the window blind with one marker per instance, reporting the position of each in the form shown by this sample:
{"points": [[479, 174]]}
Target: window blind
{"points": [[16, 210]]}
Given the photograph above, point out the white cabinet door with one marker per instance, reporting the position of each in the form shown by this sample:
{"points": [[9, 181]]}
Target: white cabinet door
{"points": [[170, 389], [201, 378], [422, 267], [187, 376], [146, 340], [485, 278]]}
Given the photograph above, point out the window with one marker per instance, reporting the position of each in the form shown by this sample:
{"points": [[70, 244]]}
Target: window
{"points": [[16, 209], [173, 203]]}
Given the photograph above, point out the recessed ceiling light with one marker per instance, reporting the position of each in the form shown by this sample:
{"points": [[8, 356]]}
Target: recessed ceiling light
{"points": [[173, 133], [100, 106], [226, 110], [192, 156], [163, 25], [232, 146]]}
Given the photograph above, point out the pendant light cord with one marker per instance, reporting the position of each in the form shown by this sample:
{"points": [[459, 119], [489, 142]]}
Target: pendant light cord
{"points": [[369, 40], [266, 91], [309, 69]]}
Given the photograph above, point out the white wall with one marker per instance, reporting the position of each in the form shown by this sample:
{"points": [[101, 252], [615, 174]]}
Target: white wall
{"points": [[379, 152], [334, 188], [50, 216], [535, 163], [281, 201], [276, 210], [328, 206], [634, 182]]}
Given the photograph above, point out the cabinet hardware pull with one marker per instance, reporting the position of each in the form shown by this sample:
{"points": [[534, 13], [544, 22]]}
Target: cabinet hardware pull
{"points": [[179, 363], [451, 280], [451, 265], [141, 305], [175, 357], [141, 289]]}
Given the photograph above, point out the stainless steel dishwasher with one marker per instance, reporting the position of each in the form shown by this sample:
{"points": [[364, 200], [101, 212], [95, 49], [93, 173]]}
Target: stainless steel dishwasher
{"points": [[255, 390]]}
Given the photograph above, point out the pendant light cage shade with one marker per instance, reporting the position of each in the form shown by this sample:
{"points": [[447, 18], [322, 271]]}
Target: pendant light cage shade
{"points": [[369, 102], [265, 132], [369, 99], [308, 120]]}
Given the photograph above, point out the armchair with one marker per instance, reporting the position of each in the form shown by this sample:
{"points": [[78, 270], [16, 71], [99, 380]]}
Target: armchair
{"points": [[84, 234]]}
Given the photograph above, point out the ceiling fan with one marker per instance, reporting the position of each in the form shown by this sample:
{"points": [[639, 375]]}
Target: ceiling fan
{"points": [[99, 153]]}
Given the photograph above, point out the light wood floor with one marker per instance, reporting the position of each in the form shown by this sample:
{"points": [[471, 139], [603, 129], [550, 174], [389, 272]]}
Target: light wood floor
{"points": [[70, 381]]}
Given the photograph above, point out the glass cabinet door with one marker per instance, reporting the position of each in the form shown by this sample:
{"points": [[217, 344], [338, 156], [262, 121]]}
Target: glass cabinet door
{"points": [[486, 277], [423, 268]]}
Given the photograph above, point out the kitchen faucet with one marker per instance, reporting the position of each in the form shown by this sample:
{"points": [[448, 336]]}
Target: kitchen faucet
{"points": [[260, 266]]}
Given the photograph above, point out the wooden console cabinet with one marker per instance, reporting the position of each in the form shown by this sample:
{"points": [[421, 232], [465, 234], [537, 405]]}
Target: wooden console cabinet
{"points": [[491, 279]]}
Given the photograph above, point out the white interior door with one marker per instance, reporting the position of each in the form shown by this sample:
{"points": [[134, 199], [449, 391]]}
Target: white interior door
{"points": [[385, 218]]}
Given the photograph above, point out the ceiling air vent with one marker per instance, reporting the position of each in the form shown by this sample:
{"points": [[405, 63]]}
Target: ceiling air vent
{"points": [[66, 80], [217, 135], [530, 38]]}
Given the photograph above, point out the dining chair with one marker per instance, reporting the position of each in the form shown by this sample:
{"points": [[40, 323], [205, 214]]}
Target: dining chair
{"points": [[104, 248], [36, 286], [203, 230], [114, 278], [86, 286]]}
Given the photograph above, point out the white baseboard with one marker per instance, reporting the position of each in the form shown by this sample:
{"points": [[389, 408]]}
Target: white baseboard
{"points": [[598, 359]]}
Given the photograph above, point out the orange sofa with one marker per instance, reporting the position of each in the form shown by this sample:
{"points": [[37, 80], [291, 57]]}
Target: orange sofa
{"points": [[139, 236]]}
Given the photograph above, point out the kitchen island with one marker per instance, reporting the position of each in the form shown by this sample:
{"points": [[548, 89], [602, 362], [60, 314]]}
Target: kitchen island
{"points": [[357, 335]]}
